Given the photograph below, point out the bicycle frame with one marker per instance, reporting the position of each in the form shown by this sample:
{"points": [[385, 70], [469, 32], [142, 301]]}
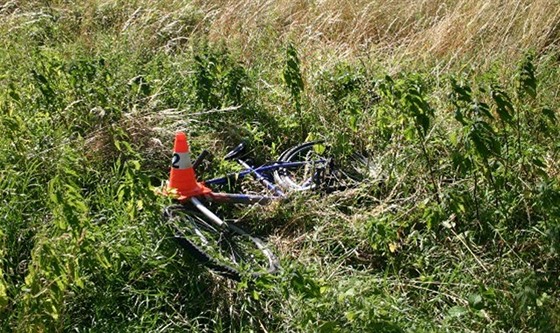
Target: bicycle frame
{"points": [[222, 197], [243, 173]]}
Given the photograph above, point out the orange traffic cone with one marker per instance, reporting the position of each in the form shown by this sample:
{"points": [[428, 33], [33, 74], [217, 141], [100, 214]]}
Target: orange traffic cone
{"points": [[182, 179]]}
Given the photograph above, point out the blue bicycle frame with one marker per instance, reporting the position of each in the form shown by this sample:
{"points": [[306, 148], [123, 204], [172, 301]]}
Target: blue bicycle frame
{"points": [[259, 174]]}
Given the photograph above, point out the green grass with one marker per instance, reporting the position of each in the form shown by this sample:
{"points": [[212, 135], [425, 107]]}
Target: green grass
{"points": [[457, 228]]}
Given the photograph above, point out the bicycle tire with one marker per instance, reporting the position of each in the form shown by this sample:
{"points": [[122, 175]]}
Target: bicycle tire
{"points": [[319, 171], [230, 251]]}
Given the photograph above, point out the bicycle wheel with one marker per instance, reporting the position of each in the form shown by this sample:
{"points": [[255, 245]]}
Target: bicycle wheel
{"points": [[228, 251], [308, 167]]}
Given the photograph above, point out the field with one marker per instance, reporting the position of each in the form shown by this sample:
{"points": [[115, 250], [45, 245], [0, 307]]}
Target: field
{"points": [[457, 227]]}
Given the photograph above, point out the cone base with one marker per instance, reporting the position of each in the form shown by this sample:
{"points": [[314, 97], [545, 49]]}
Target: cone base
{"points": [[183, 195]]}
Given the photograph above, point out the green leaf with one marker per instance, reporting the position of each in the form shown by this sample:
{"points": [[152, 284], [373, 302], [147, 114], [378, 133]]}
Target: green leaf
{"points": [[549, 113], [305, 285], [504, 105], [481, 109], [461, 93], [351, 315], [4, 300], [460, 117], [527, 78], [134, 164], [292, 72], [327, 327], [457, 311], [319, 148], [424, 122], [537, 161], [353, 121], [484, 139], [475, 301]]}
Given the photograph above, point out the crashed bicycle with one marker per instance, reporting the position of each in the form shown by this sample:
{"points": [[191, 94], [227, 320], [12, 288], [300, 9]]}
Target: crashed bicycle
{"points": [[221, 245]]}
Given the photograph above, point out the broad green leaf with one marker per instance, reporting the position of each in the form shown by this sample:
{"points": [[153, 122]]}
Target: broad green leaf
{"points": [[457, 311], [504, 105], [527, 78], [475, 301]]}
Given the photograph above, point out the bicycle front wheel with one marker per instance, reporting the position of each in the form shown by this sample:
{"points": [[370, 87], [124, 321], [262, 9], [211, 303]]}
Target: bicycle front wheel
{"points": [[228, 251]]}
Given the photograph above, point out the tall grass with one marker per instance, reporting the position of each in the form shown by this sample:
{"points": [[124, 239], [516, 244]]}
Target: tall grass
{"points": [[448, 29], [456, 103]]}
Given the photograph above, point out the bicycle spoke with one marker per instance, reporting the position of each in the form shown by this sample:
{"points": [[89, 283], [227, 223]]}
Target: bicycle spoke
{"points": [[227, 249]]}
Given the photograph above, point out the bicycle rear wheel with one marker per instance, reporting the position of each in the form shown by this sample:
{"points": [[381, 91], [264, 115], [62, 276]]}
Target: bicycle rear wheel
{"points": [[228, 251], [309, 168]]}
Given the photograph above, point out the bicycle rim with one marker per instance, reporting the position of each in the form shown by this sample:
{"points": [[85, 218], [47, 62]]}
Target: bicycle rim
{"points": [[305, 176], [319, 171], [230, 252]]}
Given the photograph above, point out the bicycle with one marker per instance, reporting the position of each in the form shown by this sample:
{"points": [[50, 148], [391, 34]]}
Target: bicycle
{"points": [[224, 247]]}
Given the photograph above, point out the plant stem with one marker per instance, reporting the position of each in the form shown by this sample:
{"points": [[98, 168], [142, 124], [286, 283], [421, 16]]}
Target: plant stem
{"points": [[432, 173]]}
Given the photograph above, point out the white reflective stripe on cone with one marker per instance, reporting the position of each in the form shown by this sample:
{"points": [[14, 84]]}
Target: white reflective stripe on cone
{"points": [[181, 161]]}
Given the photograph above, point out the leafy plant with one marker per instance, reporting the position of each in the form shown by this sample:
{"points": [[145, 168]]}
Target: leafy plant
{"points": [[408, 97], [218, 80], [293, 80]]}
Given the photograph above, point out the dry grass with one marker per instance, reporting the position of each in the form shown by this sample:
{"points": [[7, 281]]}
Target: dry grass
{"points": [[444, 28], [394, 30]]}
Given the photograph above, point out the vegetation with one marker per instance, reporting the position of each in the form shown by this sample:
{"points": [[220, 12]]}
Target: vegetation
{"points": [[456, 229]]}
